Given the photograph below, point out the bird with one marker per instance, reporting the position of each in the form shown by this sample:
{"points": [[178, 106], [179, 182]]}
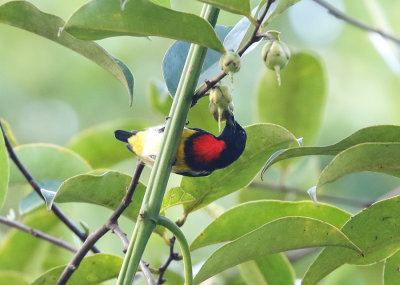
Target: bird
{"points": [[199, 152]]}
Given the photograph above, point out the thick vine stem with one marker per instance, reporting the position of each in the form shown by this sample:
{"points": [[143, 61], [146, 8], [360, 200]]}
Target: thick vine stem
{"points": [[36, 187], [160, 173], [172, 227], [255, 37]]}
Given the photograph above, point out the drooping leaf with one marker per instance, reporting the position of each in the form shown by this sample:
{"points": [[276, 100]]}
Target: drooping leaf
{"points": [[392, 272], [280, 235], [159, 98], [99, 146], [279, 8], [105, 189], [100, 19], [241, 7], [270, 269], [377, 157], [382, 133], [297, 104], [24, 15], [175, 58], [48, 163], [92, 270], [246, 217], [376, 230], [8, 277], [262, 141], [20, 251], [4, 170]]}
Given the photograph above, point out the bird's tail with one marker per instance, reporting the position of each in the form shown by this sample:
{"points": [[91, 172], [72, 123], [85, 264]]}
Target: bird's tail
{"points": [[124, 135]]}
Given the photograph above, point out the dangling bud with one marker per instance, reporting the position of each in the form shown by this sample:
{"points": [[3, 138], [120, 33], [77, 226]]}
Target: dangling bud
{"points": [[275, 55], [220, 104], [230, 62]]}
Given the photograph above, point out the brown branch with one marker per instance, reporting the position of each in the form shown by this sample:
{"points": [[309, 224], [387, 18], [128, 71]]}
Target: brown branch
{"points": [[37, 233], [172, 256], [288, 189], [110, 224], [146, 272], [340, 15], [36, 187], [255, 37], [121, 235]]}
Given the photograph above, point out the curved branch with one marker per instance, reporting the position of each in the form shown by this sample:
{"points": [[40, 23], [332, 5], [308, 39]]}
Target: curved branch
{"points": [[172, 227]]}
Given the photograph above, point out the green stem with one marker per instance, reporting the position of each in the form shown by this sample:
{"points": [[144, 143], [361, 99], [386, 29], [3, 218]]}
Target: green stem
{"points": [[172, 227], [159, 175]]}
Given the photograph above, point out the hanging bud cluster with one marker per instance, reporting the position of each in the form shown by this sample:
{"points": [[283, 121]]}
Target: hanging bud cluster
{"points": [[220, 103], [230, 62], [275, 55]]}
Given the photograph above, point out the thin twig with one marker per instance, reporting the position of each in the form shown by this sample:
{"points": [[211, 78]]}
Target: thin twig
{"points": [[146, 272], [36, 187], [172, 256], [122, 236], [340, 15], [37, 233], [255, 37], [108, 225], [288, 189]]}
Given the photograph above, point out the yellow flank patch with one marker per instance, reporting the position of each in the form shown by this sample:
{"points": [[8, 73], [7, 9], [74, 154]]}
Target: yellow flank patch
{"points": [[136, 142], [180, 165]]}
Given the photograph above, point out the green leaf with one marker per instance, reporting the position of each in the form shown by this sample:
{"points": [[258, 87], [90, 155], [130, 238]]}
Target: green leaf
{"points": [[376, 230], [165, 3], [176, 196], [392, 270], [99, 146], [279, 8], [92, 270], [262, 141], [280, 235], [8, 277], [48, 164], [246, 217], [105, 189], [9, 132], [272, 269], [4, 170], [241, 7], [159, 98], [382, 133], [296, 105], [377, 157], [25, 253], [24, 15], [100, 19]]}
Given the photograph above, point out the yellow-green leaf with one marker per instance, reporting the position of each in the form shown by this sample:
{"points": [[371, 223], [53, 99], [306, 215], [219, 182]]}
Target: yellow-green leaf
{"points": [[100, 19]]}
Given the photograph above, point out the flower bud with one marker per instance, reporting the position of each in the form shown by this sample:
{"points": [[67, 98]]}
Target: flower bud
{"points": [[275, 55], [221, 96], [220, 104], [230, 62]]}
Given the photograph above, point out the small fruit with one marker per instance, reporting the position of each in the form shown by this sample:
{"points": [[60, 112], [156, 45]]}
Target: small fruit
{"points": [[230, 62], [275, 55], [220, 103]]}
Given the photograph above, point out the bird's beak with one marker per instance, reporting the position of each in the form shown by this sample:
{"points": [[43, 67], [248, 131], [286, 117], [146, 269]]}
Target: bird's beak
{"points": [[230, 120]]}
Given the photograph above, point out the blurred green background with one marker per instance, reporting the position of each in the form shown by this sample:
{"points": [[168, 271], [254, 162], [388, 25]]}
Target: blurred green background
{"points": [[48, 94]]}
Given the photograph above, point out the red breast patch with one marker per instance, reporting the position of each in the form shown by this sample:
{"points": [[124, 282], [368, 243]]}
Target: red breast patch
{"points": [[206, 148]]}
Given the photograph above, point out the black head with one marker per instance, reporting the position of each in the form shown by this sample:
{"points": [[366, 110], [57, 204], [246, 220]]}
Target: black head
{"points": [[235, 138]]}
